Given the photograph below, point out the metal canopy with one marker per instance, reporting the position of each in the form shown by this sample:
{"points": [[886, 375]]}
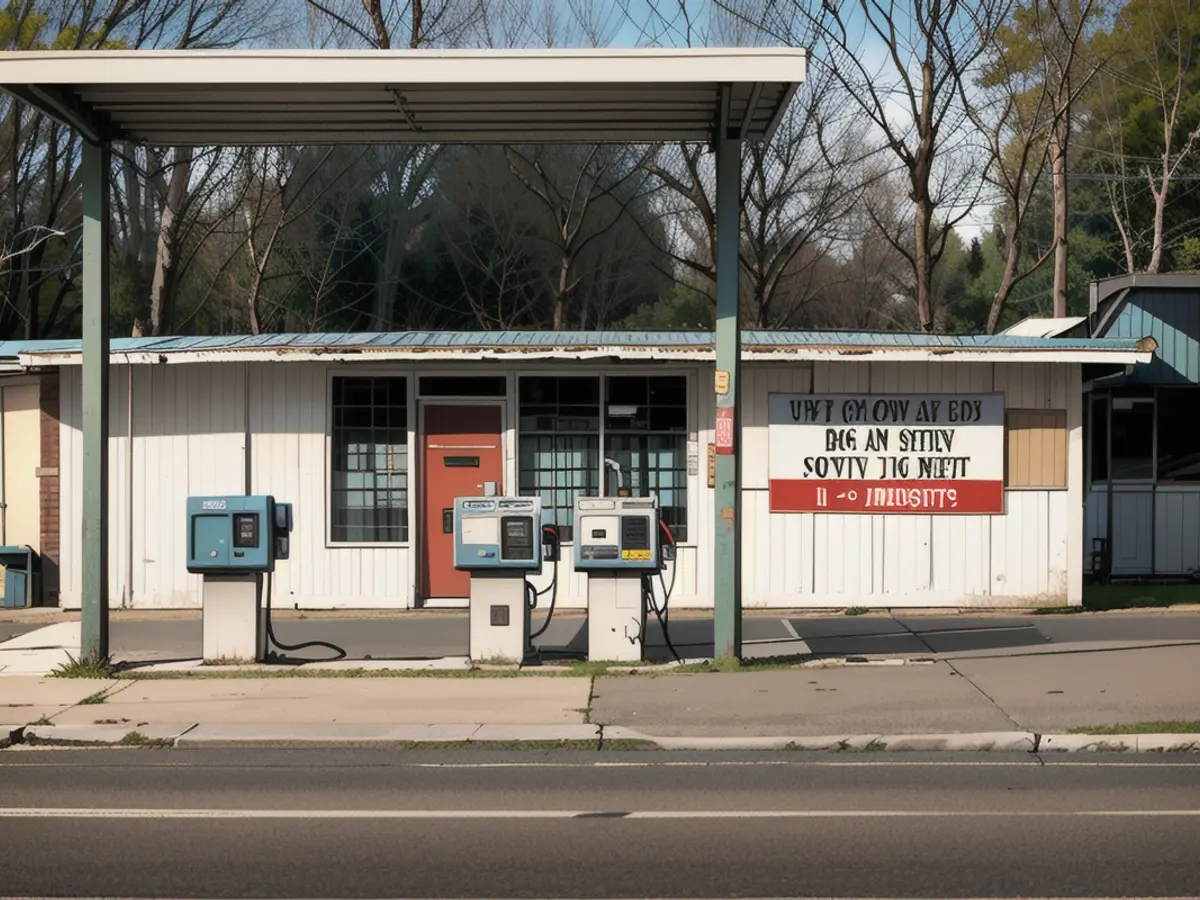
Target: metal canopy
{"points": [[257, 98]]}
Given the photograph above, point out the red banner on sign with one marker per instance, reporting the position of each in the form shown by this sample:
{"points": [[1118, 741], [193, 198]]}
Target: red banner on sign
{"points": [[724, 430], [892, 497]]}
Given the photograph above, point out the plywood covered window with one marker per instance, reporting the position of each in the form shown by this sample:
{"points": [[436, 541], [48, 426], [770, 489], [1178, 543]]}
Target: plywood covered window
{"points": [[1036, 448]]}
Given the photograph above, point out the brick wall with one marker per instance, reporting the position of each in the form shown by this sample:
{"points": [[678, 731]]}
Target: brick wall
{"points": [[48, 484]]}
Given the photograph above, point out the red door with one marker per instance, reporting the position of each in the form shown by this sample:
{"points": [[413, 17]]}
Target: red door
{"points": [[460, 447]]}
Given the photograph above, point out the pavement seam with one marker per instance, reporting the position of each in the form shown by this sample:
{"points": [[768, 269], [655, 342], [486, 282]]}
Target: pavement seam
{"points": [[953, 668], [1022, 655]]}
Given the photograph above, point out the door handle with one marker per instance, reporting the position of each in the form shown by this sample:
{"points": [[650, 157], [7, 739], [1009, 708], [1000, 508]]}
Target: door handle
{"points": [[448, 521]]}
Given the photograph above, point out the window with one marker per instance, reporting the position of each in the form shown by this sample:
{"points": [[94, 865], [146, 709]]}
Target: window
{"points": [[1099, 438], [1132, 438], [559, 446], [369, 485], [1036, 448], [1178, 446], [463, 386], [645, 433]]}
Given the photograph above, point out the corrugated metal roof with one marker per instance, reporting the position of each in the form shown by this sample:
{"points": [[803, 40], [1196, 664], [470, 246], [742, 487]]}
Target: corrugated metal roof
{"points": [[549, 340], [1044, 327]]}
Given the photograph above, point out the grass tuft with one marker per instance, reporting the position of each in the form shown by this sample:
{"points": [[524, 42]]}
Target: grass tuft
{"points": [[85, 667]]}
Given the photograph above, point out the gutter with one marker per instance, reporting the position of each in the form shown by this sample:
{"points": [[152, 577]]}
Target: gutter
{"points": [[1126, 355]]}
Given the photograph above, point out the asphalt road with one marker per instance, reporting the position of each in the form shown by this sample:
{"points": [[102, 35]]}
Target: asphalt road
{"points": [[479, 824]]}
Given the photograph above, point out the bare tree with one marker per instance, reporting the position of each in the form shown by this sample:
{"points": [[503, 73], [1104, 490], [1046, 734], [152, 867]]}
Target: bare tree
{"points": [[584, 192], [1013, 113], [913, 103], [493, 248], [1151, 50], [1050, 40], [405, 172]]}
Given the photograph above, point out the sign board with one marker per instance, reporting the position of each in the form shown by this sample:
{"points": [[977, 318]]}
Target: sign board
{"points": [[724, 433], [721, 382], [886, 453], [712, 465]]}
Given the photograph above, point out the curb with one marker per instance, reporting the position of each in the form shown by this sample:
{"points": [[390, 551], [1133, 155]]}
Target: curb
{"points": [[192, 735]]}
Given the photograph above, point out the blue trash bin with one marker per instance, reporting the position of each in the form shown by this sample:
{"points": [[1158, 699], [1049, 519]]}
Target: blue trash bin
{"points": [[18, 573]]}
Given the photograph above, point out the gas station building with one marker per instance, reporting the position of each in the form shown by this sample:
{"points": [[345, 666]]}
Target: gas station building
{"points": [[372, 436]]}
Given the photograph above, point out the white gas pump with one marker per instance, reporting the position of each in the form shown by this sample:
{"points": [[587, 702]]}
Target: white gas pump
{"points": [[617, 546], [499, 541]]}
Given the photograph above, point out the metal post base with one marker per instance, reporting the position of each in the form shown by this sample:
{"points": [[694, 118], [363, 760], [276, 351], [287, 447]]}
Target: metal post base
{"points": [[499, 617], [235, 626], [616, 616]]}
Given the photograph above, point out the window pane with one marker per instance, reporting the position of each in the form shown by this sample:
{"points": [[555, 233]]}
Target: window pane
{"points": [[1132, 438], [464, 386], [649, 443], [369, 478], [1178, 451], [558, 452], [1099, 438]]}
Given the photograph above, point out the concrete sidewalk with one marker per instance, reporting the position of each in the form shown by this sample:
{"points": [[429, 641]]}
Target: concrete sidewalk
{"points": [[1002, 703], [172, 638]]}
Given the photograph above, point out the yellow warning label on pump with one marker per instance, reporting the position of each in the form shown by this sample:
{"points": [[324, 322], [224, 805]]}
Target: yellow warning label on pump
{"points": [[635, 554]]}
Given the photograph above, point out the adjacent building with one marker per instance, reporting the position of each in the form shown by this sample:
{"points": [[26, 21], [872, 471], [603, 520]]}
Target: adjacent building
{"points": [[1143, 459]]}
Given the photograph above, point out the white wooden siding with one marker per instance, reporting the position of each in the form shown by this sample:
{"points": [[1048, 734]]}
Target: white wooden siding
{"points": [[1157, 530], [192, 423], [804, 560]]}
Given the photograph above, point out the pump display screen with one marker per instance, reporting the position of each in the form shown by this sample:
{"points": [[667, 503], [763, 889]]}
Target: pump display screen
{"points": [[245, 530], [516, 537], [635, 537]]}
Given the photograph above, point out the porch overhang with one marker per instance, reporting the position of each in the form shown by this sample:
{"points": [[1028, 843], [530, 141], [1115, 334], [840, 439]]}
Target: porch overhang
{"points": [[320, 97]]}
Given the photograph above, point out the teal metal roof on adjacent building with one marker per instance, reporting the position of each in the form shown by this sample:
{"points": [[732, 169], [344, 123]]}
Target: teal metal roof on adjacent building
{"points": [[566, 340], [1172, 318]]}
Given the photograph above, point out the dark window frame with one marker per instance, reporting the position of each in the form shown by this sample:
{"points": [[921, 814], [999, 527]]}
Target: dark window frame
{"points": [[600, 481], [659, 427], [1141, 402], [369, 421], [1164, 402], [567, 430]]}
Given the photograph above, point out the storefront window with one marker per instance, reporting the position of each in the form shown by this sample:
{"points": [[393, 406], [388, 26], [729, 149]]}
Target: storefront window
{"points": [[645, 433], [559, 453], [1178, 444], [645, 419], [369, 478], [1132, 438]]}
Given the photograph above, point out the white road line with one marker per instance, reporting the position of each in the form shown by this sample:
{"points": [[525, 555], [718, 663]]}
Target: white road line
{"points": [[30, 812], [790, 628]]}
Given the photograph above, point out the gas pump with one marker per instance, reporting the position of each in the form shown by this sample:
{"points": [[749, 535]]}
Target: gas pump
{"points": [[233, 542], [501, 541], [617, 545]]}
